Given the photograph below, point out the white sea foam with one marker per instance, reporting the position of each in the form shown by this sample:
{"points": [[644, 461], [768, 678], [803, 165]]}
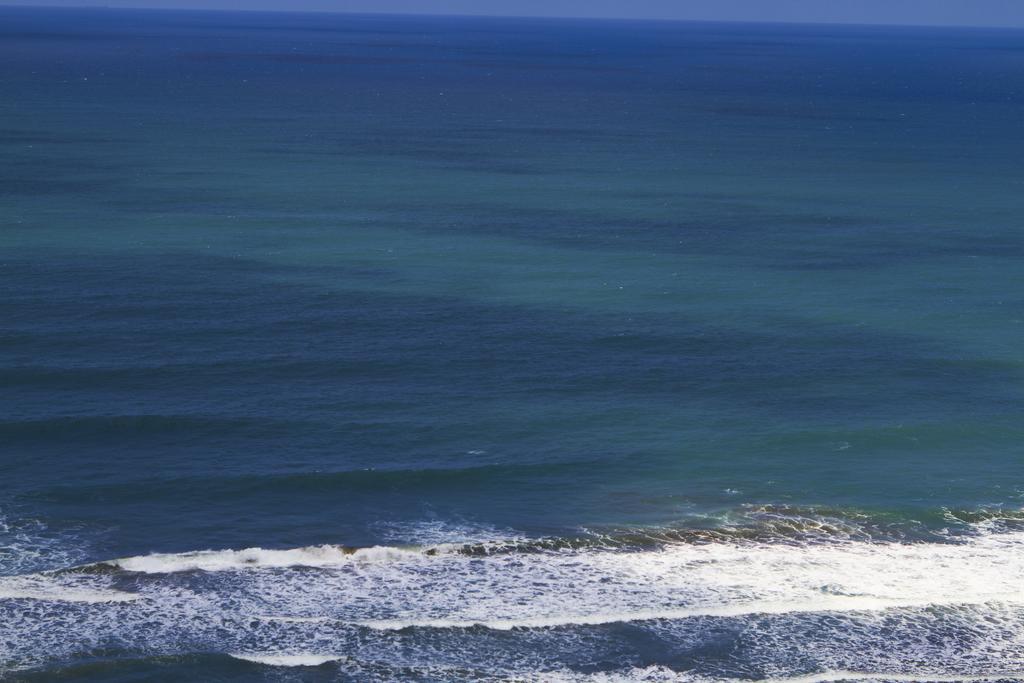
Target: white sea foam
{"points": [[27, 545], [44, 588], [873, 607], [257, 558], [441, 533], [287, 659], [553, 588], [395, 588], [822, 604], [66, 595]]}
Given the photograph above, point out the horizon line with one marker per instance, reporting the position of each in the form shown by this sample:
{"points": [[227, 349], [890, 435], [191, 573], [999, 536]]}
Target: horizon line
{"points": [[461, 15]]}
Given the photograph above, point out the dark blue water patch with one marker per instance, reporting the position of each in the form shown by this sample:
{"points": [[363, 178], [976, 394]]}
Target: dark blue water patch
{"points": [[175, 515], [215, 668], [690, 54], [113, 322], [130, 428], [60, 174], [672, 123], [352, 379], [754, 235], [51, 186], [804, 61], [228, 507], [212, 375], [30, 136]]}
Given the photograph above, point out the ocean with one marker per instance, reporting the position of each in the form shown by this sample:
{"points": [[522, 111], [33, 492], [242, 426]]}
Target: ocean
{"points": [[371, 348]]}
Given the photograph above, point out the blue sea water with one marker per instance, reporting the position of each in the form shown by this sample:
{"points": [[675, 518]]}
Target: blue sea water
{"points": [[340, 347]]}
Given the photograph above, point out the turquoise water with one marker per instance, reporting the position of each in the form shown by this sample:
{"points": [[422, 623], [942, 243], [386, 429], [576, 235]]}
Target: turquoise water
{"points": [[478, 349]]}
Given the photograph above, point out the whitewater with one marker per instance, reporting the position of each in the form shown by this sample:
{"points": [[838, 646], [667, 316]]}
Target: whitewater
{"points": [[796, 610]]}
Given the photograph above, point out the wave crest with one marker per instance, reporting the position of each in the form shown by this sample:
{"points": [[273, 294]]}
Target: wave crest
{"points": [[840, 604], [257, 558]]}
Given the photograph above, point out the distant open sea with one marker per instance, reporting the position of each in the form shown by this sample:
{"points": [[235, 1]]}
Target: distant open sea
{"points": [[367, 348]]}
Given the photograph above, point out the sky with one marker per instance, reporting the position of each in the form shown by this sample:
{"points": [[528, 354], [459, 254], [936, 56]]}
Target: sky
{"points": [[921, 12]]}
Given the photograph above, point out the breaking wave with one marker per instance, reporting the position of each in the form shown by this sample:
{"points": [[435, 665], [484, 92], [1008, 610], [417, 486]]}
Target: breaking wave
{"points": [[804, 606], [257, 558]]}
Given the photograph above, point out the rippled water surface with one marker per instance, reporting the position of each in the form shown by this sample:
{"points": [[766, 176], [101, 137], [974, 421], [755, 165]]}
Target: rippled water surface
{"points": [[398, 348]]}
